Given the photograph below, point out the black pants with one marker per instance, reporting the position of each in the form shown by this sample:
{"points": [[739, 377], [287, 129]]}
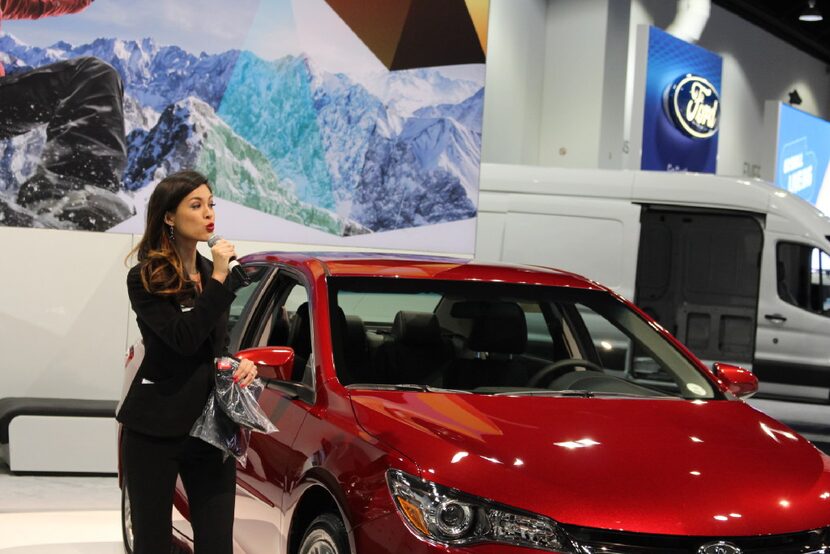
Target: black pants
{"points": [[151, 464], [81, 102]]}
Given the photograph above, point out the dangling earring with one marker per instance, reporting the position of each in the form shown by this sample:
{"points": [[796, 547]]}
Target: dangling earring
{"points": [[171, 234]]}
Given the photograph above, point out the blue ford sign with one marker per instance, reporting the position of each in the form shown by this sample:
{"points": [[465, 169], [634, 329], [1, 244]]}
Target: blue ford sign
{"points": [[693, 105], [680, 115]]}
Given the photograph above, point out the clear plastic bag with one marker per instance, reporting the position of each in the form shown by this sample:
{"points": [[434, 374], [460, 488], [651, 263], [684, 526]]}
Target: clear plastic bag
{"points": [[216, 428], [240, 403], [231, 413]]}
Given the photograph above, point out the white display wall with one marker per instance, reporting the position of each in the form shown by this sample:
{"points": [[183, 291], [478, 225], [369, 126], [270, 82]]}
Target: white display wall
{"points": [[65, 319]]}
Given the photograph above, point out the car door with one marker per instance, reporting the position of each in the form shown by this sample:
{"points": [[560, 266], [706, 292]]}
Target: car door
{"points": [[792, 352], [279, 317]]}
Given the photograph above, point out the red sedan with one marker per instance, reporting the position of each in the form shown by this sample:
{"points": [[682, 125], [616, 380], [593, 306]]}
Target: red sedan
{"points": [[439, 405]]}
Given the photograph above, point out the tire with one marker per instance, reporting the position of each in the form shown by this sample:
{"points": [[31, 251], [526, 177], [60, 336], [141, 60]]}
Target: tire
{"points": [[325, 535], [126, 521]]}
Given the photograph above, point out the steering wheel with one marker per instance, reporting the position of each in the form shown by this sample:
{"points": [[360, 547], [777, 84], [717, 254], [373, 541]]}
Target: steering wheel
{"points": [[560, 368]]}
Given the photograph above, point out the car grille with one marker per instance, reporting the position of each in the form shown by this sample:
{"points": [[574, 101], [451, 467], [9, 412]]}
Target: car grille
{"points": [[600, 541]]}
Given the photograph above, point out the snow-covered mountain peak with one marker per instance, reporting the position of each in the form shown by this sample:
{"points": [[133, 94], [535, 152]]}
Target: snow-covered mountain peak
{"points": [[341, 152]]}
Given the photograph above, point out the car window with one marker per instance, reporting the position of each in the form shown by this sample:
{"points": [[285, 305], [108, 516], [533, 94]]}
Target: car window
{"points": [[803, 275], [539, 339], [242, 303], [381, 308], [296, 298], [287, 322], [496, 337], [612, 345], [619, 354]]}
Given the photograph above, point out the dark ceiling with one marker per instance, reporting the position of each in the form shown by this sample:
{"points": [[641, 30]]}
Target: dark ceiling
{"points": [[780, 17]]}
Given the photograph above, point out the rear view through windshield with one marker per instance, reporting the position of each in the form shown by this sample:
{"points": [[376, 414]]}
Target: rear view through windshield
{"points": [[496, 338]]}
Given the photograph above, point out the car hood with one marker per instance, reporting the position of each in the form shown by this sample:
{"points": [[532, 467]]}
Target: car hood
{"points": [[701, 468]]}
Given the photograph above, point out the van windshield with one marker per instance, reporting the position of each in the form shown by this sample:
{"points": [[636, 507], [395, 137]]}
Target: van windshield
{"points": [[498, 338]]}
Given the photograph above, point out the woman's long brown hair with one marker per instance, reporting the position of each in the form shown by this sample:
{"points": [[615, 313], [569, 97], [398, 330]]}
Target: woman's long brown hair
{"points": [[161, 268]]}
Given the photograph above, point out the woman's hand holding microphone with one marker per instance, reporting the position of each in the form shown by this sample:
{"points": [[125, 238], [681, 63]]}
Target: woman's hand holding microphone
{"points": [[224, 262], [222, 252]]}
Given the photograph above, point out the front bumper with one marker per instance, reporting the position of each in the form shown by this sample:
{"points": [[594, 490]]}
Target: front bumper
{"points": [[389, 534]]}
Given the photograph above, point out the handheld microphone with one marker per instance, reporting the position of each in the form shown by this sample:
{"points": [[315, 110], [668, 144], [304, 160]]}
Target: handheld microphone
{"points": [[234, 266]]}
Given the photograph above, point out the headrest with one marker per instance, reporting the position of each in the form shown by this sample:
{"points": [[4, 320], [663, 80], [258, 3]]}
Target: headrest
{"points": [[354, 335], [299, 334], [498, 327], [416, 328], [279, 328]]}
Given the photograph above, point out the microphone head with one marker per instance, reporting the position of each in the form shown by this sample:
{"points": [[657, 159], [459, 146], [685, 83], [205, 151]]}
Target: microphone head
{"points": [[213, 240]]}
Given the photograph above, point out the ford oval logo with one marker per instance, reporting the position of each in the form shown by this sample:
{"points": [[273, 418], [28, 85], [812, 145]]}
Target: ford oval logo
{"points": [[693, 105], [719, 548]]}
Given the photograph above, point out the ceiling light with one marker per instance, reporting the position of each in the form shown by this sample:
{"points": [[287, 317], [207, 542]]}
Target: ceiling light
{"points": [[811, 12]]}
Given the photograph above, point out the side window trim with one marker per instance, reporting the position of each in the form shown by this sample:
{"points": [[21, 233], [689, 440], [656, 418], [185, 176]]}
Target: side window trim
{"points": [[238, 334], [279, 291]]}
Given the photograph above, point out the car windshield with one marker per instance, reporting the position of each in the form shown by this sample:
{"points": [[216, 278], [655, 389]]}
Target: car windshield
{"points": [[502, 339]]}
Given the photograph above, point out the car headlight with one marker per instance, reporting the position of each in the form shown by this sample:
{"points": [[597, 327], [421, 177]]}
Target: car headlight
{"points": [[452, 517]]}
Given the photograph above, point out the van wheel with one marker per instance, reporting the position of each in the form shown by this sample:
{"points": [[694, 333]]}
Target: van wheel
{"points": [[126, 519], [325, 535]]}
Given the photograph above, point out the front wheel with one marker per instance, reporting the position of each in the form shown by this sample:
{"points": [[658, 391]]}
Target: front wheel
{"points": [[126, 519], [325, 535], [177, 545]]}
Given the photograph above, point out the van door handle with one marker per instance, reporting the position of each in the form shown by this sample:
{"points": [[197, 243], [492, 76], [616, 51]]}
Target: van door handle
{"points": [[775, 318]]}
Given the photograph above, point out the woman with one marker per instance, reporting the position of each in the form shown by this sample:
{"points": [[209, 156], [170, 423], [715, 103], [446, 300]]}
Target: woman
{"points": [[181, 301]]}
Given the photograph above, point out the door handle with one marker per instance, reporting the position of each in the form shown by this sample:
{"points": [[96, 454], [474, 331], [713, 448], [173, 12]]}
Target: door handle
{"points": [[775, 318]]}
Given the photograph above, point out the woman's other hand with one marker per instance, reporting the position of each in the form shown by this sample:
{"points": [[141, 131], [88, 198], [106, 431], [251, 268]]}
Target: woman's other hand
{"points": [[245, 373]]}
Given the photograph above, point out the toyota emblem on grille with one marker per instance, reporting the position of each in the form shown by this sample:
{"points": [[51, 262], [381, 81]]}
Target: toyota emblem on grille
{"points": [[719, 548]]}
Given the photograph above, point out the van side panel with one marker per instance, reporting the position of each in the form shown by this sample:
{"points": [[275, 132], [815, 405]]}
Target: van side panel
{"points": [[594, 237], [792, 350], [698, 275]]}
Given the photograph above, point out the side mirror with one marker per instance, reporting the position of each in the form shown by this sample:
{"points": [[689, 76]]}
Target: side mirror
{"points": [[740, 382], [273, 362]]}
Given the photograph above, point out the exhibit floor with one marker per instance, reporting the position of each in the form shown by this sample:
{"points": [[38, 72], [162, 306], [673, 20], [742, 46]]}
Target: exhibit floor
{"points": [[59, 514], [47, 514]]}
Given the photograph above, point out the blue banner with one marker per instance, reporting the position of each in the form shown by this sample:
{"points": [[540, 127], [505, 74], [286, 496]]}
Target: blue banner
{"points": [[682, 106], [802, 155]]}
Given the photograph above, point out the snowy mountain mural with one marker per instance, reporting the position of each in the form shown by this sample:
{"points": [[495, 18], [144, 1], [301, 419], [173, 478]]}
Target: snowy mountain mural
{"points": [[189, 134], [344, 154]]}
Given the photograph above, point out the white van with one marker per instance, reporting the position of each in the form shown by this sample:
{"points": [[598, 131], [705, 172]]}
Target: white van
{"points": [[737, 269]]}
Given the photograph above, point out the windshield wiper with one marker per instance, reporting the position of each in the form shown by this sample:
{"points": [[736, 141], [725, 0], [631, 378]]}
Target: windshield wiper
{"points": [[404, 386], [576, 394]]}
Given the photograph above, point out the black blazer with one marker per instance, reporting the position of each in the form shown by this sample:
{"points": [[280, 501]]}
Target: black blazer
{"points": [[175, 377]]}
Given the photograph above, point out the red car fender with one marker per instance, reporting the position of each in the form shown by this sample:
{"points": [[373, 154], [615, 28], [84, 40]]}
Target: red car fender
{"points": [[313, 490]]}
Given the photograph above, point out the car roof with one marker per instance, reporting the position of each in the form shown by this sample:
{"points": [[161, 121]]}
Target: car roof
{"points": [[411, 266]]}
